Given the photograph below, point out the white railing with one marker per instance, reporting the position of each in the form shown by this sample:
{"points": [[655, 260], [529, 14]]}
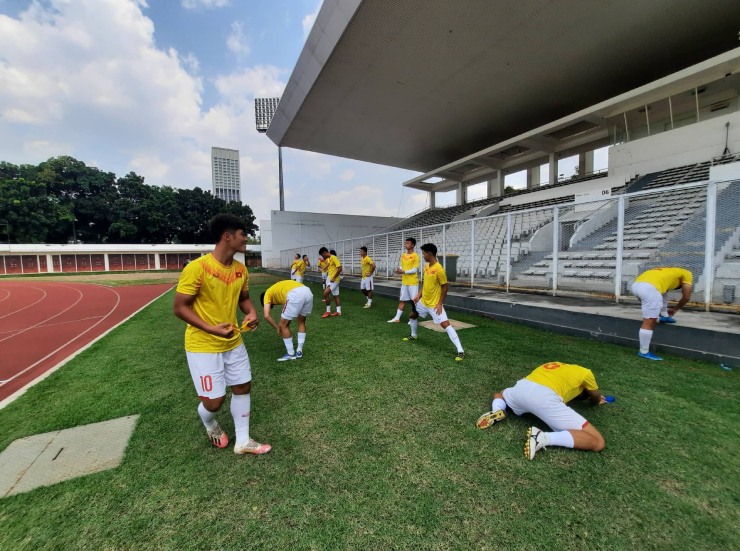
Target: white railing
{"points": [[542, 249]]}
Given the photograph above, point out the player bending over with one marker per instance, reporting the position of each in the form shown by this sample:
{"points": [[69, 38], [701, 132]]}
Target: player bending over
{"points": [[652, 287], [368, 269], [208, 293], [544, 393], [430, 300], [410, 278], [298, 301]]}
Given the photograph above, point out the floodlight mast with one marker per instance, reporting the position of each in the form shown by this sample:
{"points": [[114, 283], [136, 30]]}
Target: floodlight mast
{"points": [[264, 111]]}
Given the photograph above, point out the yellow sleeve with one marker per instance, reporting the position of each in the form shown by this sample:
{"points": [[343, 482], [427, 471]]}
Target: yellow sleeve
{"points": [[442, 276], [589, 382], [245, 287], [191, 279]]}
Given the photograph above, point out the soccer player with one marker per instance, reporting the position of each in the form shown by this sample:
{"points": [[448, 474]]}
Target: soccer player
{"points": [[333, 271], [306, 262], [323, 266], [298, 301], [297, 268], [207, 295], [544, 393], [652, 287], [430, 300], [368, 269], [410, 279]]}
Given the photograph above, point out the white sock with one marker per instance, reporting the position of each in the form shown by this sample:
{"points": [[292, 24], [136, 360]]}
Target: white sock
{"points": [[289, 345], [498, 403], [339, 309], [562, 438], [454, 338], [301, 341], [414, 325], [369, 301], [328, 308], [208, 417], [646, 336], [240, 406], [399, 313]]}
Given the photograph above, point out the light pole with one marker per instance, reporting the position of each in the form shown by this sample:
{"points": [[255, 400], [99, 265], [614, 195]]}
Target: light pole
{"points": [[264, 110]]}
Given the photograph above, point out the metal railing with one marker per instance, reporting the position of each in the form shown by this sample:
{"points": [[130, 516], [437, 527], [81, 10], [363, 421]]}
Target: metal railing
{"points": [[593, 248]]}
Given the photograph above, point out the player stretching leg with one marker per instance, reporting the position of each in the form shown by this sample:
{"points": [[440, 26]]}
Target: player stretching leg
{"points": [[652, 287], [298, 301], [368, 269], [430, 300], [410, 279], [207, 295], [544, 393]]}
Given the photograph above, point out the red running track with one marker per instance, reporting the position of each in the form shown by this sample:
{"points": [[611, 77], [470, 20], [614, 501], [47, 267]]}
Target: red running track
{"points": [[42, 323]]}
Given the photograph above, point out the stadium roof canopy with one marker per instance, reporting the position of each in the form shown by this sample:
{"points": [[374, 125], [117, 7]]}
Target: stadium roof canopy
{"points": [[422, 84]]}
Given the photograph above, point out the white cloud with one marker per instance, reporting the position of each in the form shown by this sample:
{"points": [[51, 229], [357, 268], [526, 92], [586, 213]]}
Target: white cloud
{"points": [[207, 4], [309, 19], [85, 78], [237, 40]]}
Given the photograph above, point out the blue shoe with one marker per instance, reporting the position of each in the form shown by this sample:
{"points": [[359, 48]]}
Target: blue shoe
{"points": [[666, 319], [650, 356], [287, 358], [299, 354]]}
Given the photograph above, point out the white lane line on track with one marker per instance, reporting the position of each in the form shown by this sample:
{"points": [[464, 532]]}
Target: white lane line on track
{"points": [[52, 324], [6, 296], [28, 306], [35, 325], [61, 364], [50, 354]]}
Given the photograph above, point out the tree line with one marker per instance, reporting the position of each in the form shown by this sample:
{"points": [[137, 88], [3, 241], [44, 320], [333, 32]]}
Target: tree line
{"points": [[62, 200]]}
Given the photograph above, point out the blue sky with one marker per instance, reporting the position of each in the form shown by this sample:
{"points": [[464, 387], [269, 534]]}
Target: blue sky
{"points": [[150, 86]]}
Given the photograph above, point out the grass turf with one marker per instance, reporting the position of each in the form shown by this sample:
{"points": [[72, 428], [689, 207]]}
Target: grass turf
{"points": [[375, 446]]}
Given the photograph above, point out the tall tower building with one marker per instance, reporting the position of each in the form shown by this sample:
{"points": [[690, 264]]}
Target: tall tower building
{"points": [[225, 170]]}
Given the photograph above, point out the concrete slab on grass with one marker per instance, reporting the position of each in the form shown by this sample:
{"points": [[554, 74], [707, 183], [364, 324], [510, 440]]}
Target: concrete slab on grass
{"points": [[429, 324], [45, 459]]}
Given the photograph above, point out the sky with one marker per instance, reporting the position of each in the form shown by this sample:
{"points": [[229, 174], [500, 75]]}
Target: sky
{"points": [[150, 86]]}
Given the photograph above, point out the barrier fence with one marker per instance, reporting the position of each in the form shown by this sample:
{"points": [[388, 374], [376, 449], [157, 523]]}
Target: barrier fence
{"points": [[595, 248]]}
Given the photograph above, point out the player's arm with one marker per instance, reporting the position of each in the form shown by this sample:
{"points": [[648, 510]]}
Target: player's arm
{"points": [[595, 397], [268, 317], [372, 268], [182, 308], [417, 298], [442, 297], [685, 296], [336, 276], [246, 306]]}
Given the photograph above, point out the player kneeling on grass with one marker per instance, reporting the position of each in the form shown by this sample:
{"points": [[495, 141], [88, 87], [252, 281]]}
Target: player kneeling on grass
{"points": [[430, 300], [208, 293], [298, 301], [544, 393]]}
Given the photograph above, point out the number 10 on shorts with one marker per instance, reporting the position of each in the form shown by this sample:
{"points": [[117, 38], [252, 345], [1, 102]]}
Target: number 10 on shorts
{"points": [[206, 383]]}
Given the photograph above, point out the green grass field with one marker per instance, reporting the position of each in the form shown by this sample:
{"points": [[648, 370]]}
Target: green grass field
{"points": [[375, 447]]}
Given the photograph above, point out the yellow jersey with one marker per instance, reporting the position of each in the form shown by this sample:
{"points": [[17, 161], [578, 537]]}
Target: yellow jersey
{"points": [[216, 289], [333, 267], [566, 380], [278, 293], [294, 266], [367, 266], [409, 262], [300, 268], [434, 277], [665, 279], [323, 264]]}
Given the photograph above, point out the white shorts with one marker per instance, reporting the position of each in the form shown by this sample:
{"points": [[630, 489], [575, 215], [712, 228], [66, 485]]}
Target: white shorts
{"points": [[425, 311], [299, 278], [366, 284], [298, 302], [333, 287], [653, 303], [212, 372], [529, 397], [408, 292]]}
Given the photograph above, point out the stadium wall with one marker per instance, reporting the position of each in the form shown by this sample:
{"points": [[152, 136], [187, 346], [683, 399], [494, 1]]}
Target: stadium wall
{"points": [[694, 143], [294, 230]]}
